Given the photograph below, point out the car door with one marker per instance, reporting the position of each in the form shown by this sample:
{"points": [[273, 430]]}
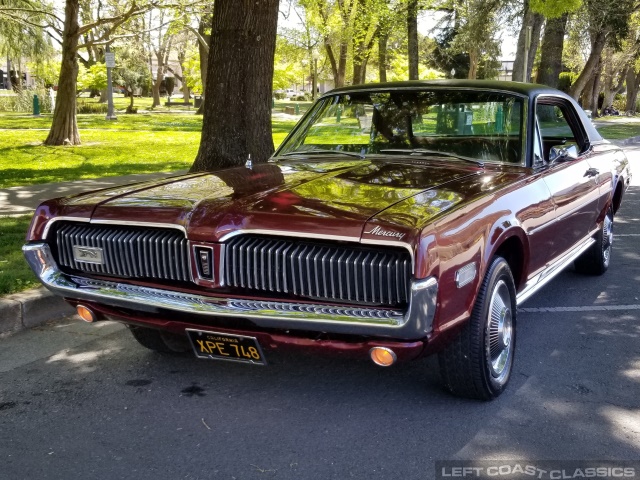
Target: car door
{"points": [[569, 176]]}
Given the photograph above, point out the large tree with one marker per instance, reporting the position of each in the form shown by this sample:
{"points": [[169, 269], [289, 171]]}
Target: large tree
{"points": [[531, 22], [237, 116], [412, 38], [64, 127], [608, 24], [551, 51]]}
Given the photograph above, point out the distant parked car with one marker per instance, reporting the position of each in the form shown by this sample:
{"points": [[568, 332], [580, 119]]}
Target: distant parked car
{"points": [[396, 221]]}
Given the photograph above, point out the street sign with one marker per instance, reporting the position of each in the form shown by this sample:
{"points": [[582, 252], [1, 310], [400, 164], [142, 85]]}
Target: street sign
{"points": [[110, 59]]}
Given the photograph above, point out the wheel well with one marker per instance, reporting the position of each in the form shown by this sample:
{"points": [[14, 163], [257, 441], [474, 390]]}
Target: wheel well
{"points": [[617, 196], [513, 252]]}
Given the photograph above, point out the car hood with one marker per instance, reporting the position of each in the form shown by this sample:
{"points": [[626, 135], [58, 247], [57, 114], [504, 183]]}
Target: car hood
{"points": [[385, 200]]}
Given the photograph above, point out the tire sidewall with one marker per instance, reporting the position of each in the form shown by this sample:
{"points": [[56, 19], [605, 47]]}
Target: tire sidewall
{"points": [[499, 270]]}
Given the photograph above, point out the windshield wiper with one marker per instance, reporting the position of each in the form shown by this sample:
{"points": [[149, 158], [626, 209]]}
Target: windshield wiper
{"points": [[318, 151], [424, 151]]}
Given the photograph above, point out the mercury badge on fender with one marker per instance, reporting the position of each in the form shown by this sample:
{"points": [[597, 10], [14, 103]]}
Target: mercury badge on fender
{"points": [[395, 221]]}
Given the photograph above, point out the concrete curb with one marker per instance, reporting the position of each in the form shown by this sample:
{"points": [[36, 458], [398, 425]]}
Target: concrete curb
{"points": [[29, 309]]}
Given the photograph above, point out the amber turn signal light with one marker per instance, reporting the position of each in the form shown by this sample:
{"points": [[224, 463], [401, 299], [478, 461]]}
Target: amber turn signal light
{"points": [[86, 314], [383, 356]]}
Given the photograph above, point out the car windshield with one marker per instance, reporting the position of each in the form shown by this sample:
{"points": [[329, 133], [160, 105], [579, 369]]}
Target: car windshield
{"points": [[481, 125]]}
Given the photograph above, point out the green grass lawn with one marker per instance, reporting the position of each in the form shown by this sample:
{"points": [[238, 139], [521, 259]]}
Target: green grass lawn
{"points": [[15, 274], [142, 143], [619, 131]]}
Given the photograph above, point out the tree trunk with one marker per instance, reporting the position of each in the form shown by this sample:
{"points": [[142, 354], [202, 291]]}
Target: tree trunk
{"points": [[473, 64], [357, 72], [237, 116], [587, 72], [130, 107], [332, 60], [538, 21], [156, 84], [611, 86], [382, 57], [342, 64], [9, 86], [595, 90], [412, 32], [633, 87], [182, 56], [205, 21], [358, 60], [535, 21], [551, 52], [64, 127]]}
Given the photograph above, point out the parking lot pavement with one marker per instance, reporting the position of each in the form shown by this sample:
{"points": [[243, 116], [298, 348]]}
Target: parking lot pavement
{"points": [[86, 401], [633, 154]]}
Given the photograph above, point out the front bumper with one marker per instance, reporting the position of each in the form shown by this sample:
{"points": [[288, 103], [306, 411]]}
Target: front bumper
{"points": [[413, 324]]}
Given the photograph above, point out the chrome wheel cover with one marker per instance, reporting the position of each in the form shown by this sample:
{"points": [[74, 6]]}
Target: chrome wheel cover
{"points": [[500, 328], [607, 238]]}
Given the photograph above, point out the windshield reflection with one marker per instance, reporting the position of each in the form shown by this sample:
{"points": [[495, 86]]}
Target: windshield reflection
{"points": [[481, 125]]}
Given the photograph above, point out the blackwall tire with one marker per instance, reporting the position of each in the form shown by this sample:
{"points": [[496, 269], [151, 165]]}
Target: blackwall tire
{"points": [[597, 259], [479, 362]]}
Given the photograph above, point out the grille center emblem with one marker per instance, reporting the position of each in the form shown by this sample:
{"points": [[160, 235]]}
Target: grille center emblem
{"points": [[88, 254], [385, 233]]}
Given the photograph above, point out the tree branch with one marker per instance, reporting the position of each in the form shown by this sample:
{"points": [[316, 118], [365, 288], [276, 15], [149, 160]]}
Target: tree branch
{"points": [[31, 11], [201, 40]]}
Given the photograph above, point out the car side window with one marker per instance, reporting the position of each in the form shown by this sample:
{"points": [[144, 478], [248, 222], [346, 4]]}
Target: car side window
{"points": [[555, 128]]}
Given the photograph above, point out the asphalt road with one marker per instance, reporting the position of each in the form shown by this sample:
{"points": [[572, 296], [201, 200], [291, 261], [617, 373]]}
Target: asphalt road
{"points": [[81, 401]]}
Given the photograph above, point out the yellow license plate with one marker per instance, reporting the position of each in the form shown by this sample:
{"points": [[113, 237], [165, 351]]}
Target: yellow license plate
{"points": [[224, 346]]}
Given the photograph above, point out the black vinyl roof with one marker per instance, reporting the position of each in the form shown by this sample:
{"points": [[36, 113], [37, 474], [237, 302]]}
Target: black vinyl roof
{"points": [[528, 89]]}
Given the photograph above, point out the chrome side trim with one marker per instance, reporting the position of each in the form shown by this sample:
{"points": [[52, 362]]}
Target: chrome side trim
{"points": [[286, 233], [540, 280], [137, 223], [415, 323], [111, 222], [50, 222]]}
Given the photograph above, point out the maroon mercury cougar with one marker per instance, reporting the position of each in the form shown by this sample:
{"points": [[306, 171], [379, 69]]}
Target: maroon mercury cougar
{"points": [[396, 220]]}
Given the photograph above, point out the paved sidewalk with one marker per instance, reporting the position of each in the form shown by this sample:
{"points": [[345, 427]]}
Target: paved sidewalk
{"points": [[24, 200]]}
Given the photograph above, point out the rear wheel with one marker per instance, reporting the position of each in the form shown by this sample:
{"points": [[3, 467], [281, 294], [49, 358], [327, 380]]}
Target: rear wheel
{"points": [[596, 260], [478, 363], [159, 341]]}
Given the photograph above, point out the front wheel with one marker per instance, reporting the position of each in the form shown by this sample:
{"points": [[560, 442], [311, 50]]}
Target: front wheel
{"points": [[478, 363], [596, 260]]}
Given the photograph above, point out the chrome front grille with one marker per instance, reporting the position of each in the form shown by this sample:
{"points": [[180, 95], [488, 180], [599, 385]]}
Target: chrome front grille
{"points": [[326, 271], [130, 252]]}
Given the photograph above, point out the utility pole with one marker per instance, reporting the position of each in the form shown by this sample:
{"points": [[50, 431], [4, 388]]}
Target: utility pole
{"points": [[110, 60], [525, 63]]}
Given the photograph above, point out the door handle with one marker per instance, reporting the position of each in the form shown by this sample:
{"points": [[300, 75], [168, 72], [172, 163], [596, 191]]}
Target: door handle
{"points": [[592, 172]]}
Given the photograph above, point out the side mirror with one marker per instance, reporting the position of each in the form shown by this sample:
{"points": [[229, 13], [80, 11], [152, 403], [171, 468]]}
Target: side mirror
{"points": [[559, 153]]}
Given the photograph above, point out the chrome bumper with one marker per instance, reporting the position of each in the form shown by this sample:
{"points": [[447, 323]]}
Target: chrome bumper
{"points": [[412, 324]]}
